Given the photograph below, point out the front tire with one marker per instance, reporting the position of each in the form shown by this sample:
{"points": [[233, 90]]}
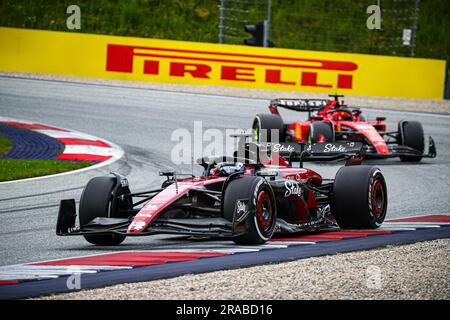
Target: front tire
{"points": [[412, 136], [359, 198], [260, 221], [95, 202]]}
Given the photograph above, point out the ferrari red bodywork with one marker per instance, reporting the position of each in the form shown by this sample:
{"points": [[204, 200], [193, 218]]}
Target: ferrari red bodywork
{"points": [[348, 124]]}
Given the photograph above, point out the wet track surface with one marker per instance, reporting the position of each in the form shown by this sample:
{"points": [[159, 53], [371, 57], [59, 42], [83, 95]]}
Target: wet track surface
{"points": [[141, 122]]}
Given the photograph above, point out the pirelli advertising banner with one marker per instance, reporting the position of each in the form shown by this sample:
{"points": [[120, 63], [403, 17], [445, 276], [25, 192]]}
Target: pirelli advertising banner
{"points": [[179, 62]]}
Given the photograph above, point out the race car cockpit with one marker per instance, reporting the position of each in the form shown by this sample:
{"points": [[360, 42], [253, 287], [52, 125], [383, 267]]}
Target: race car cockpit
{"points": [[224, 169]]}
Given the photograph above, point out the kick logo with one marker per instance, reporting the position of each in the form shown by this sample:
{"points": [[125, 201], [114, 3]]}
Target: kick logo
{"points": [[282, 148], [292, 188], [333, 148]]}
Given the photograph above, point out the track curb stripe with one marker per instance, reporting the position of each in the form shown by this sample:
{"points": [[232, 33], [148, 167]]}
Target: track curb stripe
{"points": [[115, 151], [429, 218], [78, 146], [84, 142], [233, 261], [21, 277]]}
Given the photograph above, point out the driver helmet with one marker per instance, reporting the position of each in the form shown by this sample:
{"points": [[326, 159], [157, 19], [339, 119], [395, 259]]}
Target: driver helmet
{"points": [[227, 168], [345, 113]]}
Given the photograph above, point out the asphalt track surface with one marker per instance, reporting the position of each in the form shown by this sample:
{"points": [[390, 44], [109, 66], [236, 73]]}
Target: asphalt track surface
{"points": [[141, 122]]}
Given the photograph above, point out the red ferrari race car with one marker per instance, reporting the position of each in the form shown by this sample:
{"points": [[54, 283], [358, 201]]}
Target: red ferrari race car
{"points": [[331, 120], [237, 197]]}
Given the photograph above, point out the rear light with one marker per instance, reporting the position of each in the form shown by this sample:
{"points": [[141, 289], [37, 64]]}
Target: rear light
{"points": [[298, 132]]}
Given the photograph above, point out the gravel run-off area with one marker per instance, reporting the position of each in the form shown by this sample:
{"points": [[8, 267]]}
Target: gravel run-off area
{"points": [[415, 271]]}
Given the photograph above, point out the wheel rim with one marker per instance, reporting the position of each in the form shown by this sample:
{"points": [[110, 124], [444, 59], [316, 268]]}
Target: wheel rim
{"points": [[378, 198], [264, 212]]}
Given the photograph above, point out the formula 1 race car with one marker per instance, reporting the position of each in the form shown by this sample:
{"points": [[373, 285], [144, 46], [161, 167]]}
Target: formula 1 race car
{"points": [[331, 120], [245, 198]]}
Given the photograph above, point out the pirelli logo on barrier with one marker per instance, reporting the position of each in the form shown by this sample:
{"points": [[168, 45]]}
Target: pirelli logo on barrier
{"points": [[195, 63], [218, 66]]}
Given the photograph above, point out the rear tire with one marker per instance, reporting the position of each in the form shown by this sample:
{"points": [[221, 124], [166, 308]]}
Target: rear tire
{"points": [[412, 137], [96, 202], [268, 122], [359, 198], [261, 219], [317, 130]]}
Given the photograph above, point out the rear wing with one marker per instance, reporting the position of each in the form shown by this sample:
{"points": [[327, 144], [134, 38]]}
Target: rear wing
{"points": [[353, 152], [334, 150], [304, 105], [252, 153]]}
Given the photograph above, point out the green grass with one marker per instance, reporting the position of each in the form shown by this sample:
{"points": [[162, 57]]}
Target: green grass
{"points": [[326, 25], [14, 169], [4, 145]]}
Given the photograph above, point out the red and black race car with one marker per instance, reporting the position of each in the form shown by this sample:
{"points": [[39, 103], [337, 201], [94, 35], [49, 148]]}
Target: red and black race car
{"points": [[331, 120], [243, 197]]}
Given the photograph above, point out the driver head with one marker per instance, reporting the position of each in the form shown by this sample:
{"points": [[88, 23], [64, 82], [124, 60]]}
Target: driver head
{"points": [[227, 168]]}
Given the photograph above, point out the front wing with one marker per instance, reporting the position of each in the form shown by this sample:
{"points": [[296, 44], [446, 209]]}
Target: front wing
{"points": [[402, 151], [200, 227], [101, 226]]}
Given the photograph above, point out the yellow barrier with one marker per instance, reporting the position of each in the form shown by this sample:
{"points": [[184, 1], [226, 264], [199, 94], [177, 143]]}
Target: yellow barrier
{"points": [[165, 61]]}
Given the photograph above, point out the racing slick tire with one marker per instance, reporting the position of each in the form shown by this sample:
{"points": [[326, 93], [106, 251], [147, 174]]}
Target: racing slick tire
{"points": [[96, 202], [411, 133], [318, 129], [268, 122], [359, 199], [260, 215]]}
